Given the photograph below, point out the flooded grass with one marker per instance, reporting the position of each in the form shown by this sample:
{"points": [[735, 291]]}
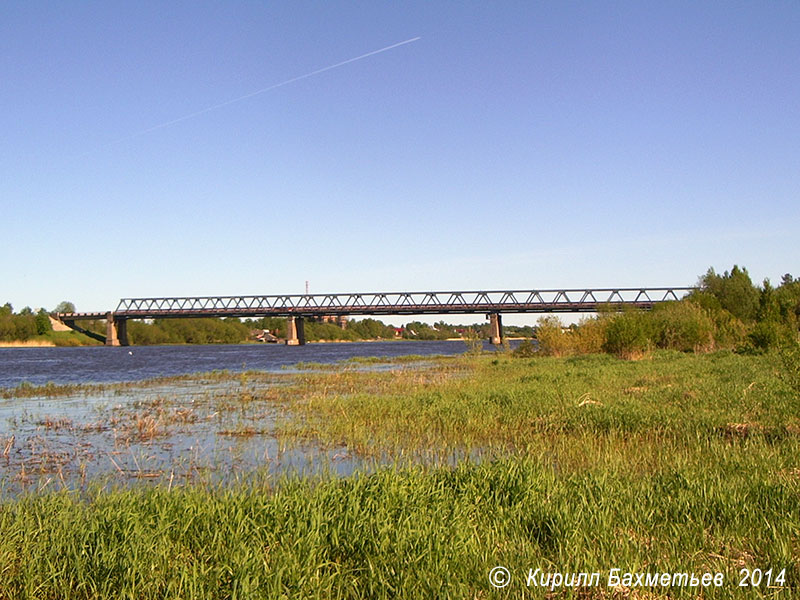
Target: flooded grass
{"points": [[129, 432], [231, 486], [52, 390]]}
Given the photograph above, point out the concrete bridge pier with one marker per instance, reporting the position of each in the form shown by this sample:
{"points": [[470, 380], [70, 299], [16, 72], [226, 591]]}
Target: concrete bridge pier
{"points": [[496, 329], [116, 331], [295, 331]]}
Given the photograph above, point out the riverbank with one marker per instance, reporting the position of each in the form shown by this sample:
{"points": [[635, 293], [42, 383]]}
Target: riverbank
{"points": [[28, 344], [52, 339], [73, 338], [677, 463]]}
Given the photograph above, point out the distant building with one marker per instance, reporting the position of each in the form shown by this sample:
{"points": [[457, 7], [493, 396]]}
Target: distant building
{"points": [[263, 335], [341, 321]]}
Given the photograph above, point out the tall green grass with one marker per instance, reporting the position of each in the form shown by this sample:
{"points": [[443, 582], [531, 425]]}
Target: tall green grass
{"points": [[413, 533]]}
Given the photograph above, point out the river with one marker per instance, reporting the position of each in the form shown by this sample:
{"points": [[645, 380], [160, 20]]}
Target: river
{"points": [[98, 364]]}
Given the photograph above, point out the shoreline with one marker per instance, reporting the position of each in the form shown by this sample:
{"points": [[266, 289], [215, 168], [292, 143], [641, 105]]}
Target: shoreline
{"points": [[50, 344], [28, 344]]}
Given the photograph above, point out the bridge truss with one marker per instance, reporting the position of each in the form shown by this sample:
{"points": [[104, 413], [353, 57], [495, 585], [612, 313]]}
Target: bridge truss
{"points": [[398, 303]]}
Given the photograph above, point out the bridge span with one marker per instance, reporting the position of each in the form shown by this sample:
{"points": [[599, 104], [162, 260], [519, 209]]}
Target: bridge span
{"points": [[297, 307]]}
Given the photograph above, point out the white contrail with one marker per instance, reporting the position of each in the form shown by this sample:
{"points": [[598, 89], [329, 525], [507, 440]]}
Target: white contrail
{"points": [[262, 91]]}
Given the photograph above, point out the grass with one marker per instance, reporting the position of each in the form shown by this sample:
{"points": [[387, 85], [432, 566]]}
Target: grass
{"points": [[414, 533], [502, 405], [678, 463], [54, 338]]}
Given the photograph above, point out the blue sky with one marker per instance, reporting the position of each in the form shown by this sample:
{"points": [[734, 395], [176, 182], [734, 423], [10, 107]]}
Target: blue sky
{"points": [[514, 145]]}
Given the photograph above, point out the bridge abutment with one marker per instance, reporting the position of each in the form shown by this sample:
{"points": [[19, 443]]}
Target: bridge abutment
{"points": [[495, 329], [295, 331]]}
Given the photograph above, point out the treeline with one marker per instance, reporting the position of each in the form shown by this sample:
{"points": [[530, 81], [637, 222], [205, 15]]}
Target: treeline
{"points": [[24, 325], [373, 329], [727, 311], [27, 324], [417, 330], [234, 331]]}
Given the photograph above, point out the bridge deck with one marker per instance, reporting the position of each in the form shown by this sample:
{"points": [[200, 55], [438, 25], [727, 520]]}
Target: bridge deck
{"points": [[84, 316]]}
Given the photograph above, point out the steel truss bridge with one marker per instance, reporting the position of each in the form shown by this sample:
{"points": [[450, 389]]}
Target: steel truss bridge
{"points": [[397, 303], [299, 306]]}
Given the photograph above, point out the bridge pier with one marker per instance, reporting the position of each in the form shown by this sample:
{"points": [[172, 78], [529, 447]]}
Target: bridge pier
{"points": [[116, 331], [295, 331], [495, 329]]}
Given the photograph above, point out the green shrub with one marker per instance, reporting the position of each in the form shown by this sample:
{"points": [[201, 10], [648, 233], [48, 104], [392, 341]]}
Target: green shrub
{"points": [[525, 350], [629, 334], [553, 341], [729, 332], [473, 341], [789, 353], [589, 336], [765, 335], [682, 326]]}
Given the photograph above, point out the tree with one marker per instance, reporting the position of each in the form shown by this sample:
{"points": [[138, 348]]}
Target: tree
{"points": [[787, 297], [65, 307], [416, 330], [552, 339], [735, 292], [42, 321]]}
